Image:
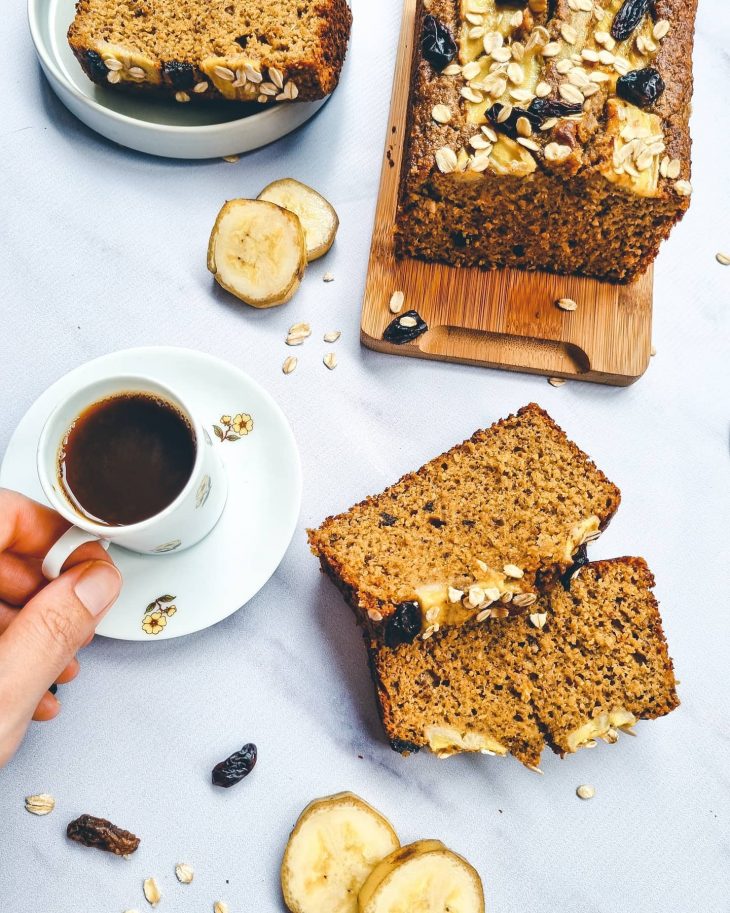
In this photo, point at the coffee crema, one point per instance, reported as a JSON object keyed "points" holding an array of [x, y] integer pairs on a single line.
{"points": [[126, 458]]}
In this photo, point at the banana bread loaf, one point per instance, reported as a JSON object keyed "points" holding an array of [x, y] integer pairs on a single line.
{"points": [[547, 134], [474, 534], [589, 661], [238, 50]]}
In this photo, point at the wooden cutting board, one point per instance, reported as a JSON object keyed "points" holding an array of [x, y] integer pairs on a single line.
{"points": [[504, 318]]}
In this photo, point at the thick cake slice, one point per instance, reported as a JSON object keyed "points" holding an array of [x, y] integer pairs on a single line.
{"points": [[605, 636], [547, 136], [476, 533], [238, 50], [589, 662]]}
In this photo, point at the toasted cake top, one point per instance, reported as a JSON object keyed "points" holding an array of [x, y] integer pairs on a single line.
{"points": [[569, 86]]}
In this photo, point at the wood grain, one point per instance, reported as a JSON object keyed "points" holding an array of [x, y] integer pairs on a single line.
{"points": [[502, 318]]}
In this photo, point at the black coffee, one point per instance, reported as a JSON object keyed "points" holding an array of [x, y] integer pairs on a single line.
{"points": [[126, 458]]}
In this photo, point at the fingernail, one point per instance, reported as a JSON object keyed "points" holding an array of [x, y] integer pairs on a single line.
{"points": [[98, 586]]}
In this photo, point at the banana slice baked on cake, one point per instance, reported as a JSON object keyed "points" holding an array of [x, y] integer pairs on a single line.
{"points": [[238, 50], [587, 663], [474, 535]]}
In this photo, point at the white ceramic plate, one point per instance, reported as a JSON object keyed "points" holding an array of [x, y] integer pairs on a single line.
{"points": [[213, 579], [169, 129]]}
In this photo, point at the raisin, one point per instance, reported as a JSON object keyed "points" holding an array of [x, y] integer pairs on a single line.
{"points": [[399, 332], [437, 43], [553, 107], [387, 519], [96, 65], [181, 75], [234, 769], [640, 87], [404, 747], [102, 834], [579, 560], [509, 126], [628, 17], [403, 625], [436, 522]]}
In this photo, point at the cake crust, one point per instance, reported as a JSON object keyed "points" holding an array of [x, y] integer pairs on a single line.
{"points": [[472, 196]]}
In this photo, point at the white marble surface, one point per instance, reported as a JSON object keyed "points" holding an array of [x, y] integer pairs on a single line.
{"points": [[103, 249]]}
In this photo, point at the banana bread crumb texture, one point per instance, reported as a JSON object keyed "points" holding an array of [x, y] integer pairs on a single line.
{"points": [[193, 50], [547, 135], [598, 664]]}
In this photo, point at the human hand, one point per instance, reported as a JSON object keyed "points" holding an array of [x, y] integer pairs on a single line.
{"points": [[42, 624]]}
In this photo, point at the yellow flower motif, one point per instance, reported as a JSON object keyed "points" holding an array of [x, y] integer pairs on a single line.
{"points": [[242, 423], [154, 623], [225, 420], [170, 610]]}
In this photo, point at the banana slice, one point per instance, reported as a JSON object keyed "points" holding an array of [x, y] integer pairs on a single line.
{"points": [[333, 848], [424, 877], [257, 252], [319, 219]]}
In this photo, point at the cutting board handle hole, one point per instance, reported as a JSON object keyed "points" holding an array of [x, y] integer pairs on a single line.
{"points": [[521, 352]]}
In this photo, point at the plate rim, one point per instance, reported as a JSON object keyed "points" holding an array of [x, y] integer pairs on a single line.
{"points": [[49, 64], [271, 403]]}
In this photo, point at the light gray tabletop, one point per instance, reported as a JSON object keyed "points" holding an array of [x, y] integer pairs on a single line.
{"points": [[102, 249]]}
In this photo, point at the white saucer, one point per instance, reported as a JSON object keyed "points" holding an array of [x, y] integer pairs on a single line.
{"points": [[169, 129], [213, 579]]}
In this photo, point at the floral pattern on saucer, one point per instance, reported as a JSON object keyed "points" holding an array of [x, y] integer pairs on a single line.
{"points": [[233, 427], [157, 614]]}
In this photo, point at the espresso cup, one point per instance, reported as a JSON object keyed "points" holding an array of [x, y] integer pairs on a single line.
{"points": [[187, 519]]}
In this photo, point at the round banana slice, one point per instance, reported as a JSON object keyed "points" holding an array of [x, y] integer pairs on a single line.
{"points": [[333, 848], [319, 219], [424, 877], [257, 252]]}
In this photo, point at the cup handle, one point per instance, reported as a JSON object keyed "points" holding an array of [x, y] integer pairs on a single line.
{"points": [[64, 547]]}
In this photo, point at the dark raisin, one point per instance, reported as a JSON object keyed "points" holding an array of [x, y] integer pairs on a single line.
{"points": [[234, 769], [96, 65], [181, 75], [403, 625], [509, 126], [102, 834], [628, 17], [580, 559], [387, 519], [436, 522], [553, 107], [429, 507], [437, 43], [404, 747], [640, 87], [54, 688], [399, 332]]}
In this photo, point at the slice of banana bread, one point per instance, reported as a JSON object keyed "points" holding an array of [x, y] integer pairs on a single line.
{"points": [[238, 50], [588, 662], [547, 136], [476, 533]]}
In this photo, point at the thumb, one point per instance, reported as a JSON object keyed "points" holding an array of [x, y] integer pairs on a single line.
{"points": [[50, 629]]}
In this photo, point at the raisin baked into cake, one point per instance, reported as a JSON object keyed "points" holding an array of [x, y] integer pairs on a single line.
{"points": [[588, 662], [477, 532], [547, 134], [238, 50]]}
